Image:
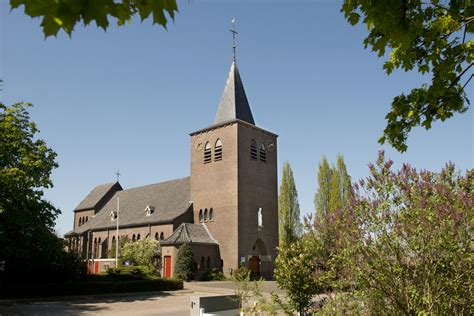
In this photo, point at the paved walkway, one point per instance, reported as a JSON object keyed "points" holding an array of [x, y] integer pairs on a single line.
{"points": [[168, 303], [226, 286], [175, 303]]}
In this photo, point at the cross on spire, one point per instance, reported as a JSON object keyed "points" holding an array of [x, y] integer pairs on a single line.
{"points": [[118, 175], [234, 32]]}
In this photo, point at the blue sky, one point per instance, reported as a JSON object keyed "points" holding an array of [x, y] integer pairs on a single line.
{"points": [[126, 99]]}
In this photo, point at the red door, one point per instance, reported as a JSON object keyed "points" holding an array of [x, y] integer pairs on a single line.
{"points": [[96, 268], [254, 266], [167, 267]]}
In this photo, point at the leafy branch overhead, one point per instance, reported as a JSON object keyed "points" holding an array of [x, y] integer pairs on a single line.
{"points": [[65, 14], [433, 37]]}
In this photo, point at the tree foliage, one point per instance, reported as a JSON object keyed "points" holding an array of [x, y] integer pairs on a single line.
{"points": [[407, 241], [28, 244], [288, 208], [334, 191], [122, 241], [185, 266], [250, 296], [433, 37], [143, 252], [65, 14], [298, 271]]}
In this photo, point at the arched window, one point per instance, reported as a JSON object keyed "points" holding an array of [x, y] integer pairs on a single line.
{"points": [[87, 218], [95, 248], [80, 221], [207, 153], [206, 218], [162, 236], [200, 215], [202, 266], [253, 149], [138, 237], [263, 153], [211, 215], [208, 263], [133, 237], [113, 241], [156, 236], [218, 150], [99, 248]]}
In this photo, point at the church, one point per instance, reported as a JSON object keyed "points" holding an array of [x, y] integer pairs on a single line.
{"points": [[227, 209]]}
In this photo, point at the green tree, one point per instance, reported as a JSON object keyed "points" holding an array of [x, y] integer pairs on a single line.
{"points": [[122, 241], [28, 244], [434, 37], [185, 266], [65, 14], [298, 271], [143, 252], [334, 191], [288, 208], [323, 194], [406, 241], [345, 185]]}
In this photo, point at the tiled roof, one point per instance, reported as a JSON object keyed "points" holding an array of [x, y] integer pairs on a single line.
{"points": [[190, 233], [96, 195], [234, 103], [169, 199]]}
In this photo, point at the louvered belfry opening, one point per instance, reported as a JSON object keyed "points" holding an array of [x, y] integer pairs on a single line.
{"points": [[218, 150], [207, 153], [253, 150], [263, 153]]}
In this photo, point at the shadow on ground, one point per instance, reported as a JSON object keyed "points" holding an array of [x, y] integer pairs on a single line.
{"points": [[74, 305]]}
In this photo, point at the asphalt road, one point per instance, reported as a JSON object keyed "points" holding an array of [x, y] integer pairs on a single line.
{"points": [[162, 303], [169, 303]]}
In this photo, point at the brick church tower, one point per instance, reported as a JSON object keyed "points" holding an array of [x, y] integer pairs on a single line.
{"points": [[234, 183]]}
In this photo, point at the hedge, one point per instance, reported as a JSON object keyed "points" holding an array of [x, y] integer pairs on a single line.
{"points": [[90, 288]]}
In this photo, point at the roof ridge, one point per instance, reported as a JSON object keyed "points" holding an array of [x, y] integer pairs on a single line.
{"points": [[149, 185], [209, 233], [186, 232]]}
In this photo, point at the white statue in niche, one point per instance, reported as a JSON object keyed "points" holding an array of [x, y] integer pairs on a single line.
{"points": [[260, 217]]}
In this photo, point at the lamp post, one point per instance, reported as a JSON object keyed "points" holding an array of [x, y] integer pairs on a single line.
{"points": [[117, 233]]}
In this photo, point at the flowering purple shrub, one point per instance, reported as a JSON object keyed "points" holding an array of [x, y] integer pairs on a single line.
{"points": [[405, 241]]}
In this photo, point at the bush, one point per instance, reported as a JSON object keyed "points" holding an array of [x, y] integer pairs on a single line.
{"points": [[299, 272], [214, 275], [185, 266], [53, 265], [131, 273], [144, 252], [406, 241]]}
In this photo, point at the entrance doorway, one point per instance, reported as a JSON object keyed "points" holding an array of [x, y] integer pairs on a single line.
{"points": [[254, 266], [167, 272], [259, 262]]}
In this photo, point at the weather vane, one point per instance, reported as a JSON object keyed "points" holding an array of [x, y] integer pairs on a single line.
{"points": [[118, 175], [234, 32]]}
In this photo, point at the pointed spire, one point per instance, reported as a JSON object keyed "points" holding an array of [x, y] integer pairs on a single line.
{"points": [[234, 103]]}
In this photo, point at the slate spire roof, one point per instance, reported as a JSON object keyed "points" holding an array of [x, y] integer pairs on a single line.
{"points": [[234, 103]]}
